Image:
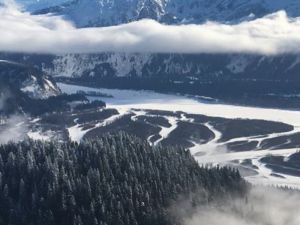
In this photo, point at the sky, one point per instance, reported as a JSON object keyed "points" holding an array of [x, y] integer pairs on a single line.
{"points": [[26, 33]]}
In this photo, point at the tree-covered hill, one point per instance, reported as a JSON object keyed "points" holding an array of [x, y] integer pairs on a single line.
{"points": [[114, 180]]}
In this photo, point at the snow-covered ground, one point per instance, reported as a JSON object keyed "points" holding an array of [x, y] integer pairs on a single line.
{"points": [[129, 99], [210, 147], [165, 131], [39, 135], [77, 132], [213, 152]]}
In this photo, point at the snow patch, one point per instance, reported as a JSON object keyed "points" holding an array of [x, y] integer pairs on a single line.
{"points": [[238, 64]]}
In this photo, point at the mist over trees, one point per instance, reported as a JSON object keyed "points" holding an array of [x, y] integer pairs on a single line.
{"points": [[116, 179]]}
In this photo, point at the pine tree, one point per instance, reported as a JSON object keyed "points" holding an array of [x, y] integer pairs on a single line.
{"points": [[116, 179]]}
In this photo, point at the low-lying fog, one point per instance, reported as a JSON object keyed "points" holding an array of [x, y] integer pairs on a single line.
{"points": [[12, 128], [264, 206]]}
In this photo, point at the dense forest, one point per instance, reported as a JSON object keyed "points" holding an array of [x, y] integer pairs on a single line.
{"points": [[37, 107], [114, 180]]}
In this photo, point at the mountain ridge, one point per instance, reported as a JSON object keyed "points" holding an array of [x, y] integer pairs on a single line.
{"points": [[95, 13]]}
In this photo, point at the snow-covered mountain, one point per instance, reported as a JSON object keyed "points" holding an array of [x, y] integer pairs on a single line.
{"points": [[173, 66], [33, 5], [112, 12]]}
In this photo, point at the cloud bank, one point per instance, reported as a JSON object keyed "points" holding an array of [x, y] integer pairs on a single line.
{"points": [[13, 129], [264, 206], [23, 32]]}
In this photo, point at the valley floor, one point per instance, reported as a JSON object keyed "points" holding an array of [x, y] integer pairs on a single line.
{"points": [[244, 137]]}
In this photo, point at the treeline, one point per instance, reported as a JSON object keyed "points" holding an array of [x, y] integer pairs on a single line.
{"points": [[52, 104], [60, 103], [255, 92], [37, 107], [91, 105], [114, 180]]}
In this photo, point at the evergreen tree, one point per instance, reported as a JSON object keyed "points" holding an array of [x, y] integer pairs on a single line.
{"points": [[114, 180]]}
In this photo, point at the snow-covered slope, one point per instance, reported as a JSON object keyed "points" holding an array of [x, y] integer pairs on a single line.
{"points": [[20, 85], [105, 65], [18, 77], [174, 65], [186, 66], [111, 12], [26, 90]]}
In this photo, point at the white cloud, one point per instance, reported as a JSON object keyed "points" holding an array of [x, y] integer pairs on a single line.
{"points": [[22, 32], [13, 128], [263, 206]]}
